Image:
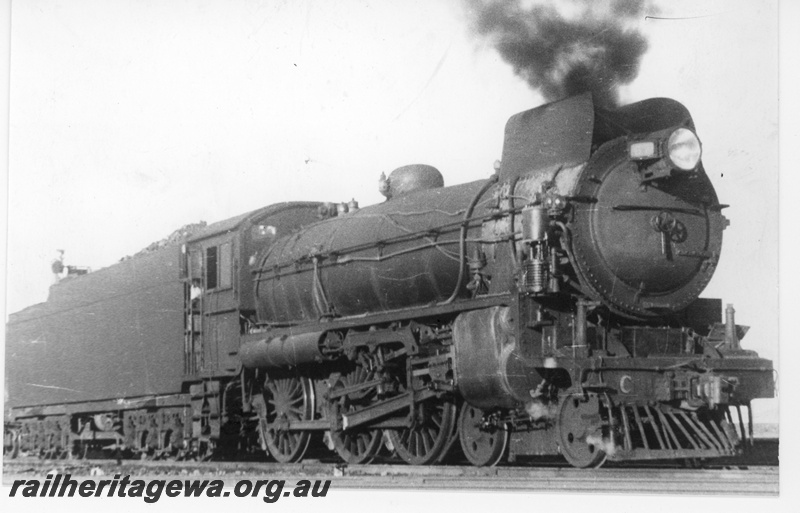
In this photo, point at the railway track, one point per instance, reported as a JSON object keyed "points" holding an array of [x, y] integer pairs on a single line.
{"points": [[751, 480]]}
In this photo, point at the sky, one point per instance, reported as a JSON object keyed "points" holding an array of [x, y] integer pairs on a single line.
{"points": [[131, 118]]}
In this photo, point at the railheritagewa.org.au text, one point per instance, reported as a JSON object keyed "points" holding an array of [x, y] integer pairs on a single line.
{"points": [[151, 490]]}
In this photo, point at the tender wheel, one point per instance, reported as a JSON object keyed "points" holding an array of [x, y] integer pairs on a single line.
{"points": [[10, 443], [483, 447], [580, 431], [287, 399], [429, 437], [354, 446]]}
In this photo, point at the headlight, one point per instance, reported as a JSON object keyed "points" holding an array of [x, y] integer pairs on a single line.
{"points": [[683, 149]]}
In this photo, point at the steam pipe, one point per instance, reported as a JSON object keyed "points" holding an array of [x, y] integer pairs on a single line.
{"points": [[463, 243]]}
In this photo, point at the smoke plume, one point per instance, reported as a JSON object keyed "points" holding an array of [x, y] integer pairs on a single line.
{"points": [[579, 46]]}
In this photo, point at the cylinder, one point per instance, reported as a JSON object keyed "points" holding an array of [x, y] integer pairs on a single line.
{"points": [[490, 372], [282, 351]]}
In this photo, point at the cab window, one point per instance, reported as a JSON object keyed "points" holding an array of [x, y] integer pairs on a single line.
{"points": [[219, 266]]}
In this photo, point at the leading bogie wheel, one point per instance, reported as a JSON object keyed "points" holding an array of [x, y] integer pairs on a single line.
{"points": [[580, 431], [484, 445]]}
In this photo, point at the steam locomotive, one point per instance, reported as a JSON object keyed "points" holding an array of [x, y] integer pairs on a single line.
{"points": [[552, 308]]}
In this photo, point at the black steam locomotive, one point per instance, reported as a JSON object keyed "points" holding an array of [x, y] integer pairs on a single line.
{"points": [[550, 309]]}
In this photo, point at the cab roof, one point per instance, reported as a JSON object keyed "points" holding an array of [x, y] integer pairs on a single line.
{"points": [[234, 223]]}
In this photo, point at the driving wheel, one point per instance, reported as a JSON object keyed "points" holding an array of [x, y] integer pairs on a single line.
{"points": [[288, 399], [430, 434], [356, 445]]}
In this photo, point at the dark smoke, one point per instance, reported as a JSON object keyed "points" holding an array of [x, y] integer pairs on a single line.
{"points": [[588, 46]]}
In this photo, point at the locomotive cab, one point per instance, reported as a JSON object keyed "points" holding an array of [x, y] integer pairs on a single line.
{"points": [[218, 282]]}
